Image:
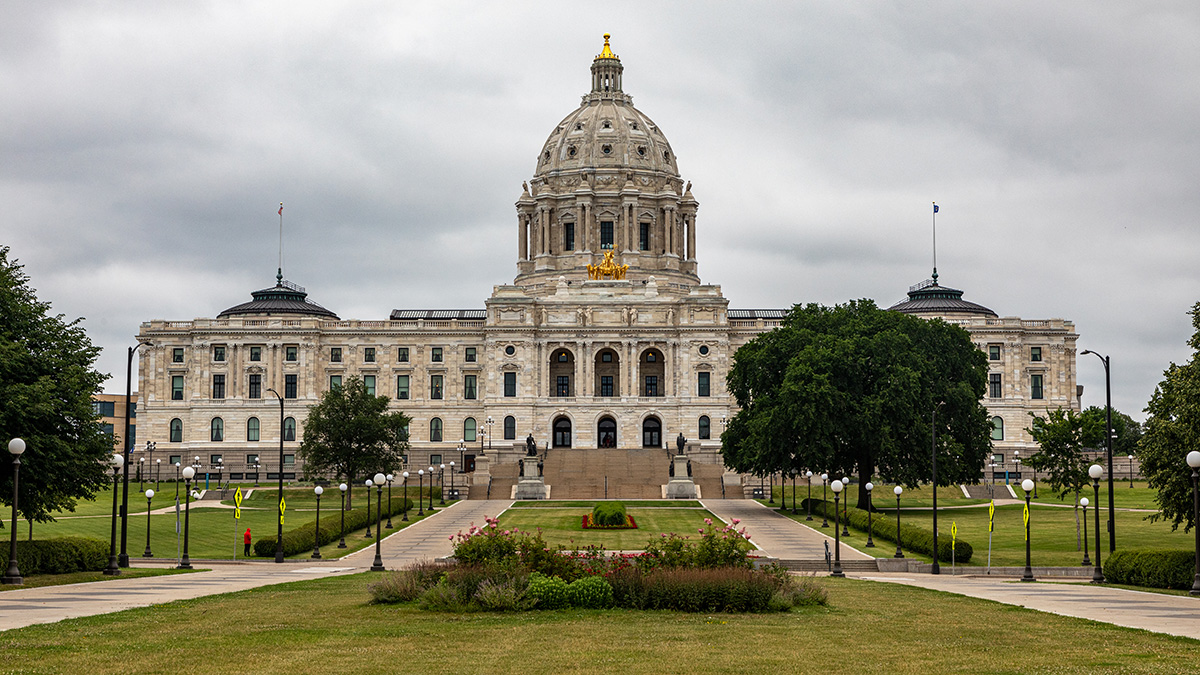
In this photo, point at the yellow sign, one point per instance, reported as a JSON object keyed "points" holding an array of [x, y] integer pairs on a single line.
{"points": [[282, 505], [237, 504], [991, 515], [1026, 522], [953, 533]]}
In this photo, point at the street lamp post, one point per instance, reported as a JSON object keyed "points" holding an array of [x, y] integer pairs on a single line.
{"points": [[1193, 460], [431, 489], [279, 533], [13, 576], [793, 494], [837, 541], [870, 505], [157, 471], [150, 446], [898, 491], [113, 568], [127, 447], [317, 524], [404, 518], [1027, 486], [342, 488], [808, 477], [846, 508], [1108, 434], [1131, 471], [1087, 561], [824, 506], [141, 474], [420, 496], [389, 478], [937, 568], [377, 565], [452, 495], [442, 485], [490, 422], [185, 563], [368, 482], [1095, 471], [149, 496]]}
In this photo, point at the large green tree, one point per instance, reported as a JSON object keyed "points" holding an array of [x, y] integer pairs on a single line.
{"points": [[350, 433], [853, 389], [47, 380], [1062, 435], [1127, 432], [1172, 431]]}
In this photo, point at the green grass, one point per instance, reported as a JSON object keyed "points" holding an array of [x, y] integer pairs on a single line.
{"points": [[1124, 497], [305, 498], [39, 580], [562, 526], [948, 495], [868, 627], [629, 504]]}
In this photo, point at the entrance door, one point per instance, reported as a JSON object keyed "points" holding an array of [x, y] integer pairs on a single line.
{"points": [[652, 433], [606, 433], [469, 463], [562, 433]]}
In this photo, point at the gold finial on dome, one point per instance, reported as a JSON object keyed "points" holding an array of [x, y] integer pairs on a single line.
{"points": [[607, 53]]}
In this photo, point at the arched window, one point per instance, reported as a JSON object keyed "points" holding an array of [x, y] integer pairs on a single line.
{"points": [[510, 428], [469, 429], [176, 430], [218, 429], [562, 432], [606, 433], [289, 429], [435, 429], [997, 428], [252, 429], [651, 433], [705, 428]]}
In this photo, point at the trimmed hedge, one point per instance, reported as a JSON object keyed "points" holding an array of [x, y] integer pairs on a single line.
{"points": [[58, 556], [883, 526], [611, 514], [300, 539], [1153, 568]]}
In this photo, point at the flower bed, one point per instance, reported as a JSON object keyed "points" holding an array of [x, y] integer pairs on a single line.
{"points": [[589, 524]]}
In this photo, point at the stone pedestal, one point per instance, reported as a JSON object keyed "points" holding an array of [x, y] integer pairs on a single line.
{"points": [[681, 485], [482, 470], [531, 484]]}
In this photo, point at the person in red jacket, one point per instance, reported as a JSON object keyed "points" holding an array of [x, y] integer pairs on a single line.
{"points": [[246, 541]]}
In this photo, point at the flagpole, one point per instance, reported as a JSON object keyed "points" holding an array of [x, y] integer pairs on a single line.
{"points": [[279, 274], [935, 210]]}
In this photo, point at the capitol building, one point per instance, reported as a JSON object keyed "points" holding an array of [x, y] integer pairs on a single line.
{"points": [[605, 347]]}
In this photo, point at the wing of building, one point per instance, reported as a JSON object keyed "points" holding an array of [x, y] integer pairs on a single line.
{"points": [[605, 347]]}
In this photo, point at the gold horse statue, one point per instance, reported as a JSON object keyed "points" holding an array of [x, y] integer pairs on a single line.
{"points": [[607, 269]]}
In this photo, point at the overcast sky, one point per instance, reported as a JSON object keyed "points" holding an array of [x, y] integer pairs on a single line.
{"points": [[145, 147]]}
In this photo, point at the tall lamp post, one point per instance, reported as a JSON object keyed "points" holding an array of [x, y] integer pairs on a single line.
{"points": [[113, 568], [389, 479], [1131, 471], [185, 563], [431, 488], [342, 543], [462, 450], [452, 495], [442, 484], [1027, 486], [870, 507], [899, 491], [1108, 433], [824, 506], [157, 471], [13, 576], [808, 479], [123, 560], [149, 496], [490, 422], [1193, 460], [377, 565], [368, 483], [279, 532], [1087, 560], [837, 540], [420, 487], [317, 524], [846, 508], [936, 569], [404, 518], [1095, 471]]}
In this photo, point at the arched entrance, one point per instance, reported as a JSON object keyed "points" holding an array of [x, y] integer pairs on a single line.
{"points": [[651, 433], [606, 433], [562, 432], [608, 373], [562, 373]]}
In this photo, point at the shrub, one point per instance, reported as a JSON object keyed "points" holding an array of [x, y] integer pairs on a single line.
{"points": [[916, 539], [486, 544], [443, 597], [407, 584], [709, 590], [590, 593], [1153, 568], [300, 539], [717, 547], [548, 592], [611, 514], [58, 556], [504, 596]]}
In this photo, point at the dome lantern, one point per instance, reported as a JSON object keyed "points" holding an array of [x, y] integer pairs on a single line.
{"points": [[606, 71]]}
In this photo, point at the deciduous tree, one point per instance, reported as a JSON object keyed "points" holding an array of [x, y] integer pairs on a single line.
{"points": [[1062, 435]]}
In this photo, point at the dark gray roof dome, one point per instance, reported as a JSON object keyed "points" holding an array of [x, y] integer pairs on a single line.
{"points": [[283, 298], [928, 297]]}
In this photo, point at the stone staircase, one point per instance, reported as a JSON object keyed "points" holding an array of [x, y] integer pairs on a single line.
{"points": [[504, 477]]}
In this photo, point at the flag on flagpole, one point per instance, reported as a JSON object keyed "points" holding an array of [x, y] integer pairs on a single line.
{"points": [[935, 208], [281, 209]]}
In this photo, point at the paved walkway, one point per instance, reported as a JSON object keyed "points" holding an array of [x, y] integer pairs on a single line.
{"points": [[777, 535]]}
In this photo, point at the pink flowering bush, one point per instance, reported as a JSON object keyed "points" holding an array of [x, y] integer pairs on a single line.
{"points": [[716, 547]]}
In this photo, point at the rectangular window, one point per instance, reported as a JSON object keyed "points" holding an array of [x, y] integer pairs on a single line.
{"points": [[177, 355], [469, 386], [289, 459], [568, 236], [218, 386], [644, 237], [402, 355], [369, 355], [510, 384], [606, 234], [289, 386], [174, 459], [256, 353], [291, 353], [606, 385], [563, 387], [214, 459], [606, 357], [401, 387], [435, 386], [107, 408], [369, 383], [107, 428], [132, 410], [1035, 386], [435, 460], [995, 390], [252, 459], [218, 352], [435, 354], [470, 355], [176, 387], [994, 352], [255, 386], [335, 381], [1035, 353], [702, 379], [651, 385], [335, 354]]}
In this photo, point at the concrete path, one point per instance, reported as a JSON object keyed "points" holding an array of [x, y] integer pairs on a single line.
{"points": [[429, 538], [776, 535], [1157, 612]]}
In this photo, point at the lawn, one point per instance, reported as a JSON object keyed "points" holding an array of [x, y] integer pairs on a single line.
{"points": [[563, 527], [948, 495], [327, 625]]}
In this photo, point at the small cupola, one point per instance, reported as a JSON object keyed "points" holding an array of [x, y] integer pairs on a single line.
{"points": [[606, 71]]}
